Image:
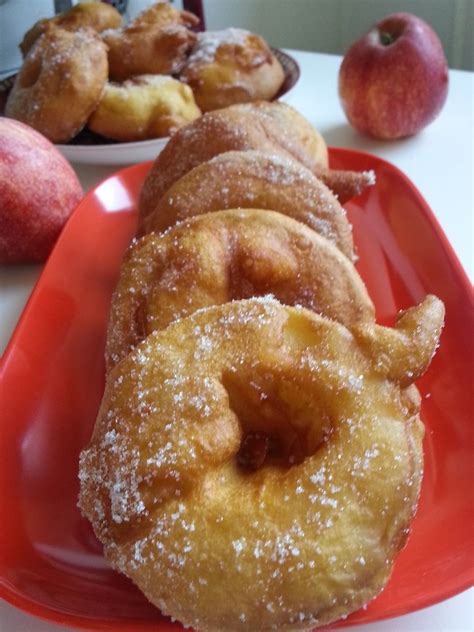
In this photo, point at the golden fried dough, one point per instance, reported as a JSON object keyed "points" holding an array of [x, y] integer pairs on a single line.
{"points": [[345, 184], [60, 83], [226, 255], [157, 41], [144, 107], [252, 179], [274, 128], [307, 536], [98, 16], [231, 66], [404, 353]]}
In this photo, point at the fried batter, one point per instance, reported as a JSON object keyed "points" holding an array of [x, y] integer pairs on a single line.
{"points": [[157, 42], [274, 128], [144, 107], [231, 66], [60, 83], [308, 536], [251, 179], [98, 16], [226, 255]]}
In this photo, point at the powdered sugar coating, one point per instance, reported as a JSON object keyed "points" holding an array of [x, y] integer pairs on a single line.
{"points": [[156, 41], [273, 128], [224, 255], [97, 16], [255, 179], [60, 83], [191, 524], [209, 42], [232, 66]]}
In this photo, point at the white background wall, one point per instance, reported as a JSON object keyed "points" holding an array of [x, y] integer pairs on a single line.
{"points": [[16, 17], [330, 26]]}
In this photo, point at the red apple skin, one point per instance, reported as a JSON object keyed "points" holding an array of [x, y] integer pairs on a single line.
{"points": [[392, 91], [38, 191]]}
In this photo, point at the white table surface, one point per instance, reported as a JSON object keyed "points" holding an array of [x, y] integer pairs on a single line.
{"points": [[439, 161]]}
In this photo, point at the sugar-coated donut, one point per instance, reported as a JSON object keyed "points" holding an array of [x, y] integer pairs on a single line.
{"points": [[60, 83], [95, 15], [227, 255], [144, 107], [274, 128], [231, 66], [157, 41], [253, 179], [305, 537]]}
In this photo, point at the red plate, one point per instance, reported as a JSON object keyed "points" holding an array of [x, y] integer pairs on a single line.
{"points": [[52, 381]]}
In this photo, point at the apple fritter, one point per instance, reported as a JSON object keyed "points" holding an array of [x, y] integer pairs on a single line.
{"points": [[309, 532]]}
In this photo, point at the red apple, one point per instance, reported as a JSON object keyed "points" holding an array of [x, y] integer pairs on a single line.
{"points": [[38, 192], [394, 80]]}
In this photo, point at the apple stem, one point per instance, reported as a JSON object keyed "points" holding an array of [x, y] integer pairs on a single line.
{"points": [[386, 38]]}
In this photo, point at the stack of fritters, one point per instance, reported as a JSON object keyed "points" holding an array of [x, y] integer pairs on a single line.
{"points": [[137, 81], [257, 457]]}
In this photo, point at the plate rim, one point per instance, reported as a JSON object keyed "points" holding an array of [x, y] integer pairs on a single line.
{"points": [[135, 144]]}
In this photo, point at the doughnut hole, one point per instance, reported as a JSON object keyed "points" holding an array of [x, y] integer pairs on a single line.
{"points": [[280, 426], [30, 72]]}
